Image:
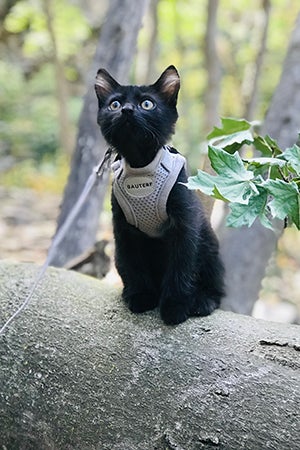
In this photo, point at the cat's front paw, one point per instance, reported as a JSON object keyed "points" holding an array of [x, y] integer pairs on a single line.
{"points": [[205, 306], [173, 313], [141, 302]]}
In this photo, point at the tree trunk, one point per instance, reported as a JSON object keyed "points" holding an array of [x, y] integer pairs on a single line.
{"points": [[115, 52], [213, 86], [79, 371], [213, 68], [61, 84], [246, 252], [254, 71], [150, 62]]}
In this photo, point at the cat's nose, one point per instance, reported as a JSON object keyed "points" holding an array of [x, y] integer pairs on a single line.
{"points": [[127, 108]]}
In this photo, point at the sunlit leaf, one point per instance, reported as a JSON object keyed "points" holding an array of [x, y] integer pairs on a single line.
{"points": [[202, 181], [257, 162], [233, 134], [285, 201], [245, 215], [228, 165], [292, 155], [267, 146], [229, 189], [229, 126]]}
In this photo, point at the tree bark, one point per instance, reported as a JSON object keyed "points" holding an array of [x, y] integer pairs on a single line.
{"points": [[213, 68], [246, 251], [79, 371], [152, 51], [114, 52], [213, 86], [252, 79], [61, 84]]}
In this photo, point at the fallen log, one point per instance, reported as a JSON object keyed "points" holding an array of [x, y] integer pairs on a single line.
{"points": [[79, 371]]}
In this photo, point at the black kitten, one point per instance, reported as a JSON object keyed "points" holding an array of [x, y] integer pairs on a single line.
{"points": [[166, 252]]}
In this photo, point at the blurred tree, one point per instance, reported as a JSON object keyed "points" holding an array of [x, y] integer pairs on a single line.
{"points": [[213, 85], [39, 37], [246, 251], [213, 68], [152, 53], [61, 84], [115, 52], [255, 67]]}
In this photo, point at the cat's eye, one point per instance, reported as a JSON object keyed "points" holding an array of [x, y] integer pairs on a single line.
{"points": [[147, 104], [115, 105]]}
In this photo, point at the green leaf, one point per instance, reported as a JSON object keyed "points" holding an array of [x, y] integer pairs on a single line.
{"points": [[245, 215], [218, 196], [235, 141], [286, 200], [267, 146], [228, 165], [241, 182], [236, 191], [206, 183], [219, 187], [263, 161], [229, 126], [292, 155], [232, 135], [202, 181], [233, 183]]}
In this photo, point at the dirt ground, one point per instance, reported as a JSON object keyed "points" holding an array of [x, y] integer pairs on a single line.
{"points": [[27, 224]]}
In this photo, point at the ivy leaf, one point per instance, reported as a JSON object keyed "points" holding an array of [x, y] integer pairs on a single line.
{"points": [[228, 165], [202, 181], [233, 183], [267, 146], [266, 162], [232, 135], [245, 215], [229, 126], [292, 155], [236, 192], [241, 182], [286, 200], [228, 190], [206, 183]]}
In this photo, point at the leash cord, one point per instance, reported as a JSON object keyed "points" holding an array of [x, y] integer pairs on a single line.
{"points": [[97, 173]]}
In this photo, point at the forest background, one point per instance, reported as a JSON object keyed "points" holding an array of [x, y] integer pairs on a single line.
{"points": [[229, 54]]}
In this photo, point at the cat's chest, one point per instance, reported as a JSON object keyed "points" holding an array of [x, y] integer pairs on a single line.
{"points": [[142, 193]]}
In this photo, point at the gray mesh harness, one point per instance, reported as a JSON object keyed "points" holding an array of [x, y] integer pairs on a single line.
{"points": [[142, 193]]}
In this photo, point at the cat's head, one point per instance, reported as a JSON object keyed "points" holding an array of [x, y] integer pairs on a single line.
{"points": [[137, 120]]}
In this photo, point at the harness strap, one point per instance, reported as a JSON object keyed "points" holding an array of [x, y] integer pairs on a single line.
{"points": [[142, 193]]}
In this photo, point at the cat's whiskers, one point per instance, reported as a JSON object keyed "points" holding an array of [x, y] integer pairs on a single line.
{"points": [[147, 129]]}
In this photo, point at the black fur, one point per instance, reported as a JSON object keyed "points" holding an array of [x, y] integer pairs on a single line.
{"points": [[180, 271]]}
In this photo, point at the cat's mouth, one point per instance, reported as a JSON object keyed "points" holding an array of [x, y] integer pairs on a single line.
{"points": [[127, 121]]}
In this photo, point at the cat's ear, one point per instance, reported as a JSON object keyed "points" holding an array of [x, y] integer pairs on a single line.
{"points": [[105, 84], [168, 84]]}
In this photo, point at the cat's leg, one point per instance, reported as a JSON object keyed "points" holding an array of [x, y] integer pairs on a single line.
{"points": [[139, 290], [193, 282], [132, 262], [210, 276], [178, 285]]}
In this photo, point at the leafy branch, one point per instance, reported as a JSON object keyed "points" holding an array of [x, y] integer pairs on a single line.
{"points": [[265, 187]]}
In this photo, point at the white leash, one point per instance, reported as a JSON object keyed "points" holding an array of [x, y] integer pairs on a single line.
{"points": [[97, 172]]}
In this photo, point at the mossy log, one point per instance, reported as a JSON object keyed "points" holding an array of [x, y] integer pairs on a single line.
{"points": [[79, 371]]}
